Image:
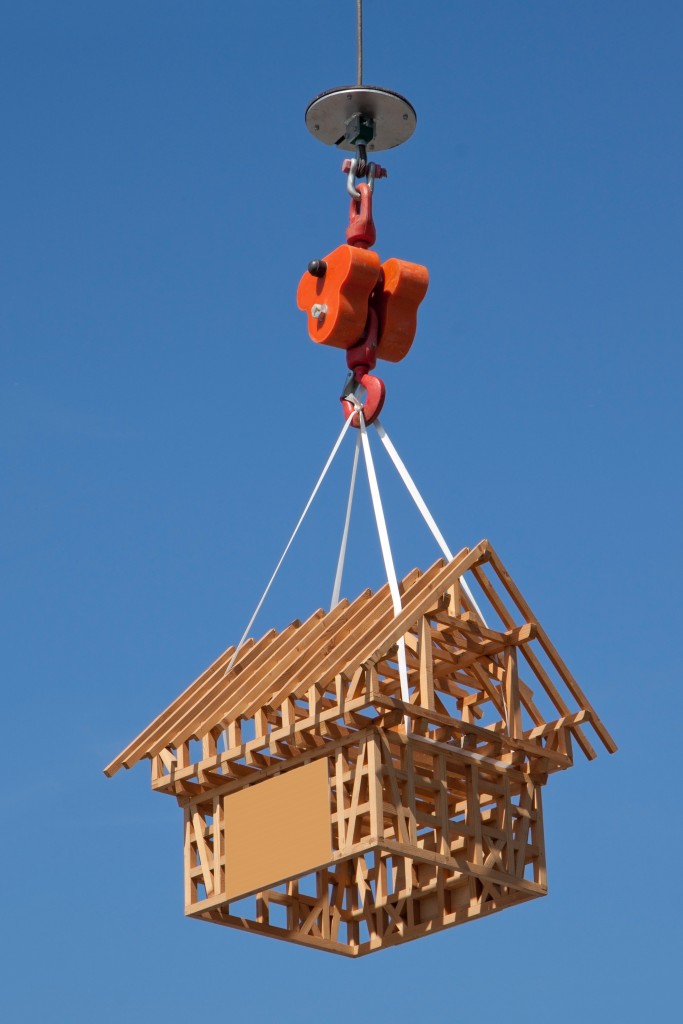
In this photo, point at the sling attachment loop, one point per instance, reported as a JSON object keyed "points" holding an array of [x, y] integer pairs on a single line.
{"points": [[375, 393]]}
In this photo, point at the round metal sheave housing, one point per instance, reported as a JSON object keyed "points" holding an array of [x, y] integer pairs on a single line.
{"points": [[393, 116]]}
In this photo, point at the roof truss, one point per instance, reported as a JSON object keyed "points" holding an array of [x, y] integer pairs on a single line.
{"points": [[496, 689]]}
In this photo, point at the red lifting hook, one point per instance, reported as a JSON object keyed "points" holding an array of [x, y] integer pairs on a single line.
{"points": [[374, 400]]}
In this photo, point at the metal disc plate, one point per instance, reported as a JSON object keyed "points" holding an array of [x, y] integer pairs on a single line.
{"points": [[394, 117]]}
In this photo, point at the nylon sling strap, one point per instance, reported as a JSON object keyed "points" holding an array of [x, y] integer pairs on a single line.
{"points": [[386, 555], [424, 511], [322, 476], [336, 590]]}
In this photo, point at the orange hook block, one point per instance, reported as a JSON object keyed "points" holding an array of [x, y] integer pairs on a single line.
{"points": [[335, 293], [404, 286]]}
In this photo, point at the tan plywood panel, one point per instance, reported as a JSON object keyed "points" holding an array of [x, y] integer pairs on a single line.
{"points": [[277, 828]]}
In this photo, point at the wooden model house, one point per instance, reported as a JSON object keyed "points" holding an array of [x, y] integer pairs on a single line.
{"points": [[323, 809]]}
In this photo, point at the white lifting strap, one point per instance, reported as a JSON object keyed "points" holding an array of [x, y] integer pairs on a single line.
{"points": [[386, 555], [336, 590], [426, 514], [282, 556], [289, 543]]}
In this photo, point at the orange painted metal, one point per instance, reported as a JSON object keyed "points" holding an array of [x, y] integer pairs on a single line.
{"points": [[403, 287], [344, 289]]}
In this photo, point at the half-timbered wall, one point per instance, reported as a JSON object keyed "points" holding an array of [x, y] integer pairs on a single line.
{"points": [[421, 839], [430, 809]]}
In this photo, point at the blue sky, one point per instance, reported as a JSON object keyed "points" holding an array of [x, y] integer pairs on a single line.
{"points": [[163, 417]]}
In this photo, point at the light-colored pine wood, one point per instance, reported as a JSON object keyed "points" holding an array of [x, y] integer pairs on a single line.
{"points": [[424, 814]]}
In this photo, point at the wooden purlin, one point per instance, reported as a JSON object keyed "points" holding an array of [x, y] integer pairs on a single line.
{"points": [[242, 675], [153, 738], [161, 718], [343, 635], [295, 675], [316, 730], [216, 696], [558, 663], [348, 645], [534, 662], [250, 687], [415, 606], [206, 695], [281, 668], [183, 722], [354, 648], [428, 812]]}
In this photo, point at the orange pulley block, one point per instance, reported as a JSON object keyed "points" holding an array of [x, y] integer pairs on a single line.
{"points": [[355, 302]]}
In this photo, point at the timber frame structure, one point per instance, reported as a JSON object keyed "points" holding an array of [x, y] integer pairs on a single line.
{"points": [[321, 808]]}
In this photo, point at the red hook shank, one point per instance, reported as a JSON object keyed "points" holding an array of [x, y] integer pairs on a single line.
{"points": [[361, 230], [360, 359]]}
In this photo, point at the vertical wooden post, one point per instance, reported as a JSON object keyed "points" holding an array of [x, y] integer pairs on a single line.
{"points": [[190, 884], [442, 819], [261, 724], [183, 754], [324, 896], [341, 800], [540, 873], [410, 795], [288, 714], [375, 788], [509, 851], [454, 599], [441, 807], [313, 700], [371, 680], [209, 747], [473, 822], [157, 769], [511, 692], [218, 846], [426, 664], [235, 734]]}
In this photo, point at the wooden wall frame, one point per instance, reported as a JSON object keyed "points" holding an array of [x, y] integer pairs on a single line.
{"points": [[424, 814]]}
